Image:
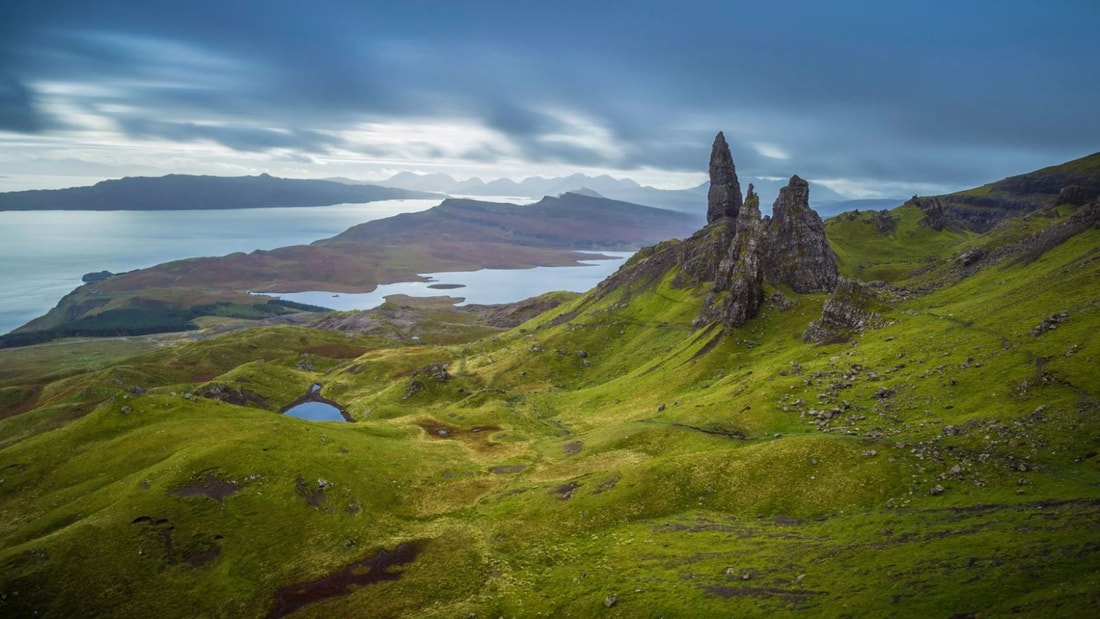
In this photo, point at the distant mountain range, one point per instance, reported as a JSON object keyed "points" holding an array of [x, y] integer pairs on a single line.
{"points": [[185, 192], [192, 192], [572, 220], [684, 200]]}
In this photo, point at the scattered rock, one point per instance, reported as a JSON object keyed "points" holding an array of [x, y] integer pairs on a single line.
{"points": [[970, 256], [610, 600], [434, 373], [1049, 324]]}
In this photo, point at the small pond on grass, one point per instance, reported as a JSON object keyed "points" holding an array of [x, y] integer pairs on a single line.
{"points": [[313, 407], [315, 411]]}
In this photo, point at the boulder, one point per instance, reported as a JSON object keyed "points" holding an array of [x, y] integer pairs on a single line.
{"points": [[847, 310]]}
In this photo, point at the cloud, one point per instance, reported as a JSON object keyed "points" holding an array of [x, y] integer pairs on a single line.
{"points": [[233, 136], [17, 111], [921, 94]]}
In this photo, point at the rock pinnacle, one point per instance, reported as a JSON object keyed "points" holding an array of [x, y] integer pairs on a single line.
{"points": [[724, 197]]}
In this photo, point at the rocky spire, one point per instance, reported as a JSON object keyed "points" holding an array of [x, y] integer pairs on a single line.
{"points": [[798, 254], [738, 288], [724, 197]]}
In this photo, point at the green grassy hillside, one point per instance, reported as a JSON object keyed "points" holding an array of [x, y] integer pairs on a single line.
{"points": [[605, 457]]}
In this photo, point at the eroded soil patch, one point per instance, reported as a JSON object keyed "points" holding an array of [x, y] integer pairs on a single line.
{"points": [[373, 569], [214, 488], [477, 436], [314, 496]]}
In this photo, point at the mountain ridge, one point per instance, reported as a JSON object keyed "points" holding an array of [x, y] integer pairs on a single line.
{"points": [[200, 192], [624, 189]]}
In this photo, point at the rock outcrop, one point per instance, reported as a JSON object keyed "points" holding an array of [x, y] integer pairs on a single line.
{"points": [[724, 197], [788, 249], [745, 266], [798, 253], [739, 253], [849, 309]]}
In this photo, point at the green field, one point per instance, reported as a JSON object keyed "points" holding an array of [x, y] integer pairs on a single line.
{"points": [[606, 457]]}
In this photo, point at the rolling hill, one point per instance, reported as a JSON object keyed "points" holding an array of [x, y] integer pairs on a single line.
{"points": [[916, 436]]}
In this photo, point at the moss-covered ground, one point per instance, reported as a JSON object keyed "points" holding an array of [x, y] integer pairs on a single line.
{"points": [[604, 458]]}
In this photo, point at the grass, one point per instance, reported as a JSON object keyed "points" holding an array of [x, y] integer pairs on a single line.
{"points": [[605, 447]]}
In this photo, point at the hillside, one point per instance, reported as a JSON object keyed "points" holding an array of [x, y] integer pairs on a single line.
{"points": [[906, 425], [457, 235], [184, 192], [1075, 182], [572, 220]]}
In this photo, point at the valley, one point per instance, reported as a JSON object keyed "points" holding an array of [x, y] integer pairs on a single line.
{"points": [[884, 413]]}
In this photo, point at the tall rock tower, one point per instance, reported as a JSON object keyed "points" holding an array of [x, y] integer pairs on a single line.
{"points": [[724, 197], [798, 253]]}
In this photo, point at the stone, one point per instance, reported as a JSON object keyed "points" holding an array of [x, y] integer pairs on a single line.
{"points": [[724, 197], [95, 278], [848, 309], [1075, 195], [738, 289], [798, 253], [610, 600]]}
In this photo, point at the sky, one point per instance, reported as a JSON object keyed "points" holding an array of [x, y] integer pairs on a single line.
{"points": [[871, 98]]}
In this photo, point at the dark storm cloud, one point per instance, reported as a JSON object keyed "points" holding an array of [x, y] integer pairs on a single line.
{"points": [[933, 92], [17, 113], [235, 137]]}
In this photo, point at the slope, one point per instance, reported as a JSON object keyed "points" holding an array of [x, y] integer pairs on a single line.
{"points": [[610, 455]]}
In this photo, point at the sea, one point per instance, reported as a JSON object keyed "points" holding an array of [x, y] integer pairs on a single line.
{"points": [[44, 254]]}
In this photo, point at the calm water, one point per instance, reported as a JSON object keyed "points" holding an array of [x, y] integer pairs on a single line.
{"points": [[315, 411], [478, 287], [44, 254]]}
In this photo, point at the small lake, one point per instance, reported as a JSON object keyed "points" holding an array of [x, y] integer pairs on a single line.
{"points": [[315, 411], [487, 286], [45, 253]]}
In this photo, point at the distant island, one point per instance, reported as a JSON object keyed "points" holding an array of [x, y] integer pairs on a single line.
{"points": [[181, 192], [825, 202]]}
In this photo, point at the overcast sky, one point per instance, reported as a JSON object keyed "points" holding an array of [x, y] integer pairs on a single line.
{"points": [[871, 98]]}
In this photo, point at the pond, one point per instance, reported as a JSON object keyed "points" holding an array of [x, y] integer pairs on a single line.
{"points": [[313, 407], [315, 411]]}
